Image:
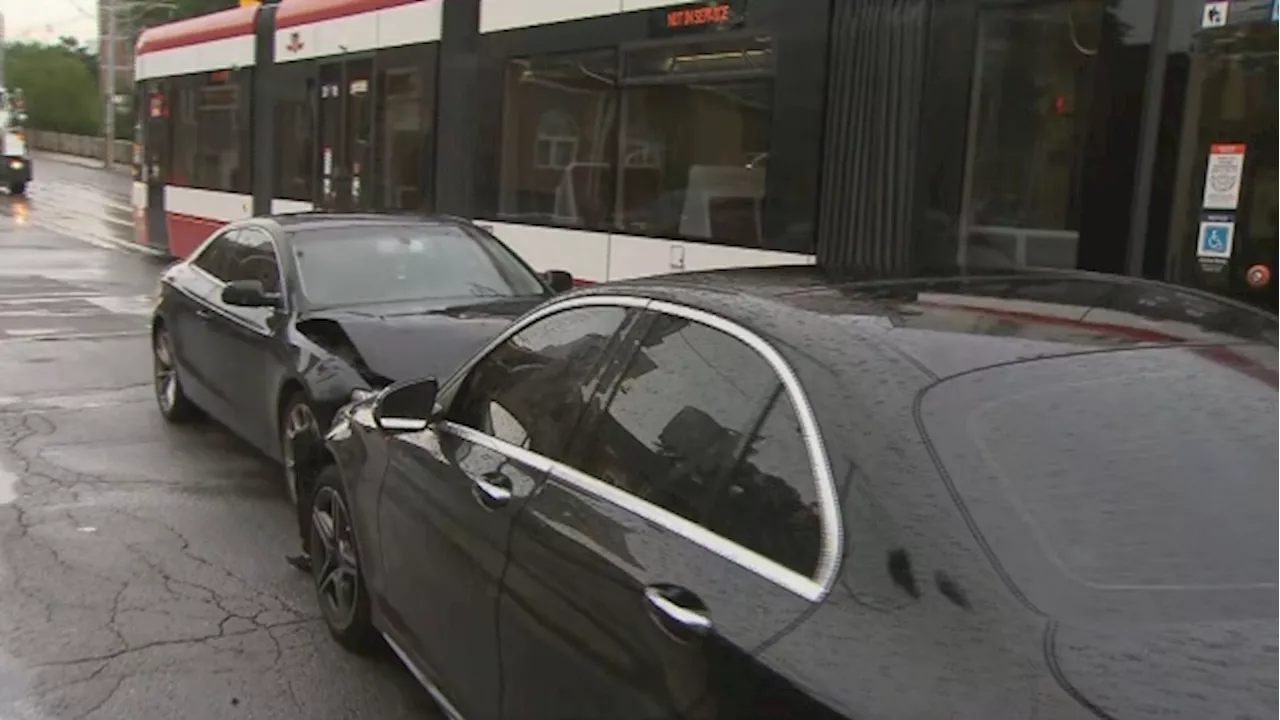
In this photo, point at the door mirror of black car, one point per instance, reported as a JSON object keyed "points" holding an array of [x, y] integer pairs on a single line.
{"points": [[249, 293], [406, 406], [558, 280]]}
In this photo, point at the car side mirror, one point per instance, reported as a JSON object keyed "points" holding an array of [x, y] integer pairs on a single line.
{"points": [[249, 293], [407, 406], [558, 280]]}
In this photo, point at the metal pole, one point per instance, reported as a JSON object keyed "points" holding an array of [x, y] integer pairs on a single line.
{"points": [[109, 86]]}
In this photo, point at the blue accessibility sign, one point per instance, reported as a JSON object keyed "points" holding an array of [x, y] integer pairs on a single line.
{"points": [[1216, 237]]}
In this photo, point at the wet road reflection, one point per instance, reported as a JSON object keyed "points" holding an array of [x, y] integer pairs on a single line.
{"points": [[86, 203]]}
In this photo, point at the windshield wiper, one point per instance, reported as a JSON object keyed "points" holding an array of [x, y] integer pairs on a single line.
{"points": [[483, 290]]}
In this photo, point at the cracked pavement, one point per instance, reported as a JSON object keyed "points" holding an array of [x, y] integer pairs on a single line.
{"points": [[141, 565]]}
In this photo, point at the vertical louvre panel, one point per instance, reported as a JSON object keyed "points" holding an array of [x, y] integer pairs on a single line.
{"points": [[868, 198]]}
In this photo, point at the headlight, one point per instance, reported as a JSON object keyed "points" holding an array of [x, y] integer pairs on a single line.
{"points": [[15, 164]]}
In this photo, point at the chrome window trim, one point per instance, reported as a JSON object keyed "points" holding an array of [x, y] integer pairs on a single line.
{"points": [[813, 588], [819, 466]]}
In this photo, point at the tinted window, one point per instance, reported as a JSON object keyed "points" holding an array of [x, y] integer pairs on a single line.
{"points": [[769, 503], [215, 258], [530, 390], [390, 263], [682, 431], [252, 256]]}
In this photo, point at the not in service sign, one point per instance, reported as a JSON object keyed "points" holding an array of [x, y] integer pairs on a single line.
{"points": [[1222, 177]]}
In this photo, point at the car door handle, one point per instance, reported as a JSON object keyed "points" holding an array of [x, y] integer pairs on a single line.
{"points": [[494, 489], [204, 314], [692, 620]]}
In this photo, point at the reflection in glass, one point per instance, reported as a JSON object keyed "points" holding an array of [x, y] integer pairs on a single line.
{"points": [[538, 380], [405, 134], [558, 143], [682, 432], [1033, 84], [696, 159]]}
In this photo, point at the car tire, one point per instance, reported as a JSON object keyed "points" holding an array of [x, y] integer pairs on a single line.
{"points": [[175, 406], [18, 188], [296, 416], [335, 566]]}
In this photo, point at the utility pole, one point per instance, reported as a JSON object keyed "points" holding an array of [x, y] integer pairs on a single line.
{"points": [[109, 84]]}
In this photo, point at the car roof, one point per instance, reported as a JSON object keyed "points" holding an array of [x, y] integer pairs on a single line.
{"points": [[946, 325], [324, 219]]}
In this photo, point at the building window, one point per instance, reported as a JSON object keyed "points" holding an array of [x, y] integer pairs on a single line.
{"points": [[558, 140], [557, 143]]}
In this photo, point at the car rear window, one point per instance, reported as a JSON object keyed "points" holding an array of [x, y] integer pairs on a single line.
{"points": [[1137, 483], [375, 263]]}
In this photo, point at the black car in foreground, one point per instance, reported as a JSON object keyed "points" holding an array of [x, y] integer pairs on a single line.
{"points": [[763, 493], [273, 322]]}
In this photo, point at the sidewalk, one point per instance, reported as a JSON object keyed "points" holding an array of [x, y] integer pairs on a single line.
{"points": [[77, 160]]}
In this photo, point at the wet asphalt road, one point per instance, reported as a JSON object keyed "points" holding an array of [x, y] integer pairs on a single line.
{"points": [[141, 570]]}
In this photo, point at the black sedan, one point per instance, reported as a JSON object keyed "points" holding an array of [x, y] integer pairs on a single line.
{"points": [[763, 493], [272, 324]]}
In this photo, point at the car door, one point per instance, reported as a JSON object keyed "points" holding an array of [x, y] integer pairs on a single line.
{"points": [[248, 339], [452, 491], [684, 533], [201, 357]]}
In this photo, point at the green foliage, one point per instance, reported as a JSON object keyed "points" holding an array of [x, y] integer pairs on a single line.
{"points": [[61, 79], [60, 83]]}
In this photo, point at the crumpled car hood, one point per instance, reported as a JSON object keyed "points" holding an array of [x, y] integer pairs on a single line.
{"points": [[403, 342]]}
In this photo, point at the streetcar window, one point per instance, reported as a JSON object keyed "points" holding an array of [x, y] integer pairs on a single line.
{"points": [[404, 113], [677, 146], [210, 131], [558, 140], [695, 161], [695, 132], [295, 138]]}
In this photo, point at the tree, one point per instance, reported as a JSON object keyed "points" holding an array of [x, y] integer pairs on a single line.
{"points": [[60, 83]]}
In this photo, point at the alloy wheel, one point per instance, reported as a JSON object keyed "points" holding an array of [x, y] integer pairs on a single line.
{"points": [[166, 377], [334, 561]]}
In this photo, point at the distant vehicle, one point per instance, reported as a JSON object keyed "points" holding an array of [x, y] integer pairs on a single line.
{"points": [[16, 171], [273, 322], [764, 494]]}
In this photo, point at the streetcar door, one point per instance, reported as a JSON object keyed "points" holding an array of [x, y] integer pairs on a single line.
{"points": [[346, 123], [1225, 217], [154, 169]]}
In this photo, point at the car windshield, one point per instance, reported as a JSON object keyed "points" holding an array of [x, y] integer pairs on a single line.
{"points": [[1120, 484], [375, 263]]}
